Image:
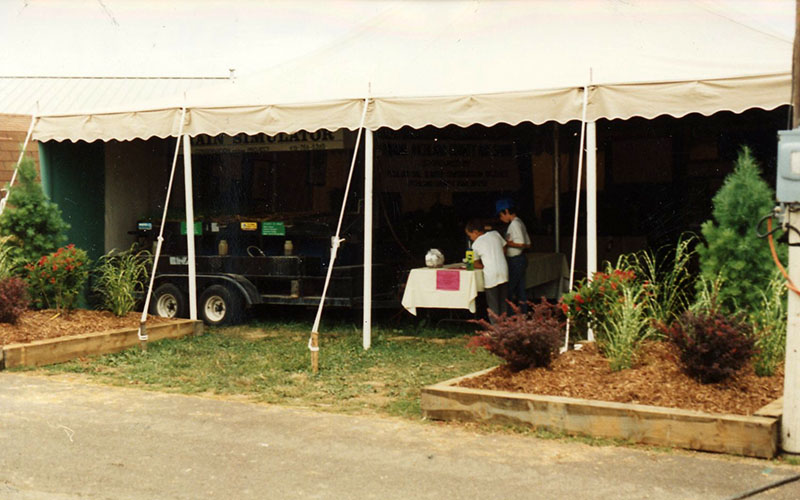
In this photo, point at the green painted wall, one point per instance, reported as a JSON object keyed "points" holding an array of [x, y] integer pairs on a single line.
{"points": [[73, 177]]}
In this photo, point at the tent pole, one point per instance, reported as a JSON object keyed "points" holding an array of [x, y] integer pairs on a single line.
{"points": [[591, 199], [142, 328], [187, 179], [368, 186], [556, 190]]}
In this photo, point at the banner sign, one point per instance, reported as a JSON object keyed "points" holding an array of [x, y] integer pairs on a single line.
{"points": [[452, 165], [320, 140]]}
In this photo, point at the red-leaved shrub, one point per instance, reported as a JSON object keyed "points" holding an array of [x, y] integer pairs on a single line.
{"points": [[712, 346], [523, 340], [13, 299]]}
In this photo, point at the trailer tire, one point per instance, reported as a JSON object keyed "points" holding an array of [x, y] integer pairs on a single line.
{"points": [[169, 302], [220, 306]]}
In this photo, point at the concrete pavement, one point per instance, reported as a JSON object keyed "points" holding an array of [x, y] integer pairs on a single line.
{"points": [[67, 440]]}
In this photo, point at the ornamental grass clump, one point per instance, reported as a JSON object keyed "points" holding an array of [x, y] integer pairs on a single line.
{"points": [[769, 326], [56, 280], [522, 340], [119, 279], [625, 326], [6, 264], [667, 279], [712, 345]]}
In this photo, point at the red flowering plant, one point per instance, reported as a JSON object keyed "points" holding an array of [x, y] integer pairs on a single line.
{"points": [[56, 280], [591, 301]]}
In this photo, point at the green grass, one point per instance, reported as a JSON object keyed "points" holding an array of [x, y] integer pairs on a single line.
{"points": [[270, 362]]}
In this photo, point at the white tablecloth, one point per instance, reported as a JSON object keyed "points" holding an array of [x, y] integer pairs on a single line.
{"points": [[426, 288], [422, 290]]}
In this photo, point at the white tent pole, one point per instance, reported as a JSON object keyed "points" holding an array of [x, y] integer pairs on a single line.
{"points": [[556, 189], [591, 202], [4, 200], [142, 331], [577, 206], [313, 341], [368, 185], [187, 179]]}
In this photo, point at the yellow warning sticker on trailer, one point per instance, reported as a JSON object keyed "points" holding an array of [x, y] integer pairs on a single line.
{"points": [[249, 226]]}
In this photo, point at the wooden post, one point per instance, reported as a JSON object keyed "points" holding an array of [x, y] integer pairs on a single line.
{"points": [[314, 352]]}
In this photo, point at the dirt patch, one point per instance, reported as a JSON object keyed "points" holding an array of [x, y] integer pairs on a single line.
{"points": [[46, 324], [655, 380]]}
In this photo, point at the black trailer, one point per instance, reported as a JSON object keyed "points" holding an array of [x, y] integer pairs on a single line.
{"points": [[254, 268]]}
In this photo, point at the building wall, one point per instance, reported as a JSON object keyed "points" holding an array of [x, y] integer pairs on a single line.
{"points": [[13, 129], [72, 177]]}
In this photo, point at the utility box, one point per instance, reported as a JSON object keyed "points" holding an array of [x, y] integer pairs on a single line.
{"points": [[787, 189]]}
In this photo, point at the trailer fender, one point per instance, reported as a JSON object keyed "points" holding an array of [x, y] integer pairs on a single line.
{"points": [[236, 282]]}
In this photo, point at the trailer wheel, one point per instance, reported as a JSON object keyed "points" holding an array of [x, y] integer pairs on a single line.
{"points": [[220, 306], [169, 302]]}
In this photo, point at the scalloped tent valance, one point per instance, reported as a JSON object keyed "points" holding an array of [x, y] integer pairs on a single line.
{"points": [[465, 63]]}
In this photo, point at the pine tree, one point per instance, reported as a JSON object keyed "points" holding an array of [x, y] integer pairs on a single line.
{"points": [[733, 250], [31, 219]]}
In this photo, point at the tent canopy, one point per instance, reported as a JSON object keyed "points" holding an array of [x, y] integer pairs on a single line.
{"points": [[465, 63]]}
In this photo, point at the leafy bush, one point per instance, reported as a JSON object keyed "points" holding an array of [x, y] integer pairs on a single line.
{"points": [[769, 325], [625, 325], [13, 299], [34, 221], [56, 280], [712, 345], [732, 249], [119, 279], [589, 304], [522, 340]]}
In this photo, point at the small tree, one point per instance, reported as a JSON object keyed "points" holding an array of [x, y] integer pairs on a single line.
{"points": [[31, 218], [732, 250]]}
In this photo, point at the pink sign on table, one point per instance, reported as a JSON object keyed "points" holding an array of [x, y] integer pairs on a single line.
{"points": [[448, 280]]}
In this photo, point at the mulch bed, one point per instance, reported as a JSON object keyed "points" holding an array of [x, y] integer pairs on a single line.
{"points": [[46, 324], [656, 380]]}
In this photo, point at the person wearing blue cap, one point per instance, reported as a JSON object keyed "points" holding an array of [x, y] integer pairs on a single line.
{"points": [[517, 241]]}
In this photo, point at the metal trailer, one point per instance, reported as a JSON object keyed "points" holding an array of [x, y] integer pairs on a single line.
{"points": [[255, 272]]}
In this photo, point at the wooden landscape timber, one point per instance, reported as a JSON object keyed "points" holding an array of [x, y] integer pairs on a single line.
{"points": [[60, 349], [754, 436]]}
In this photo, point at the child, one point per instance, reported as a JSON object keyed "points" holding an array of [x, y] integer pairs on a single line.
{"points": [[517, 241], [490, 257]]}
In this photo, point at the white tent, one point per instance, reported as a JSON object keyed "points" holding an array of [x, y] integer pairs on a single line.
{"points": [[505, 61], [440, 63]]}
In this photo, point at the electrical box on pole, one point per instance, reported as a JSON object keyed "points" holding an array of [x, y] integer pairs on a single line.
{"points": [[787, 191]]}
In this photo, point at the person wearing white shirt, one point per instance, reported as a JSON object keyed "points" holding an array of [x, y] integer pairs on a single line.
{"points": [[490, 256], [517, 241]]}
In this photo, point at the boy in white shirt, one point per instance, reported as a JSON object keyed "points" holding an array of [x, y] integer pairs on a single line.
{"points": [[490, 256], [517, 241]]}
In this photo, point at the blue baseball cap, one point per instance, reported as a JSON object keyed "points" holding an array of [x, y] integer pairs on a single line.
{"points": [[502, 204]]}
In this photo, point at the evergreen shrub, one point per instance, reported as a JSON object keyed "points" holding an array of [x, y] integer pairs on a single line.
{"points": [[32, 220], [732, 250]]}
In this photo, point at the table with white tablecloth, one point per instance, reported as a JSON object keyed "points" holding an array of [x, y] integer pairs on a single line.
{"points": [[453, 287]]}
